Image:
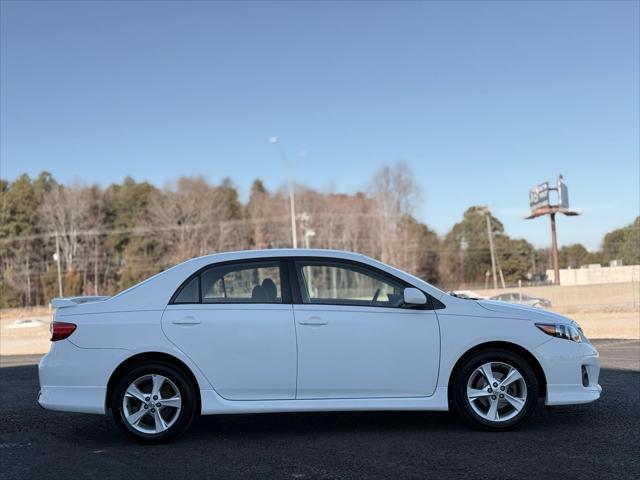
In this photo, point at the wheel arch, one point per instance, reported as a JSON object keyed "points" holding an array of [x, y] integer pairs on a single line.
{"points": [[151, 357], [509, 346]]}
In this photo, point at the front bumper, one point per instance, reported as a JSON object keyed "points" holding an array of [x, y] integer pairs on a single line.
{"points": [[565, 364]]}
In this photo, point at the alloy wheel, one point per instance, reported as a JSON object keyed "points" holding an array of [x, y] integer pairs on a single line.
{"points": [[152, 404], [496, 391]]}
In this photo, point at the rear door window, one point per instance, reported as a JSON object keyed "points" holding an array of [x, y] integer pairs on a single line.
{"points": [[242, 283], [238, 282]]}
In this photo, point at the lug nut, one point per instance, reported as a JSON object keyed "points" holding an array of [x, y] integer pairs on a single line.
{"points": [[495, 384], [501, 395], [489, 390], [155, 397], [147, 398], [146, 406], [493, 397], [158, 404], [501, 388], [153, 410]]}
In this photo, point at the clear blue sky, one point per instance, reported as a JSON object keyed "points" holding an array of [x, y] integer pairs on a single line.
{"points": [[483, 100]]}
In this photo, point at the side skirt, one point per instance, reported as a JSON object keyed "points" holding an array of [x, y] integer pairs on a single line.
{"points": [[213, 404]]}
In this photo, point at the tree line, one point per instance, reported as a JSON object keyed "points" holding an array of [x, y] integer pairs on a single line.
{"points": [[107, 239]]}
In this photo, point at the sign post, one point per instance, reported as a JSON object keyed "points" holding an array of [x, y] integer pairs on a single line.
{"points": [[540, 204]]}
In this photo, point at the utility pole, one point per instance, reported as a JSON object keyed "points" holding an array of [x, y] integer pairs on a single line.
{"points": [[292, 206], [57, 258], [28, 272], [307, 232], [492, 248], [463, 248], [292, 202], [554, 250], [501, 276], [95, 266]]}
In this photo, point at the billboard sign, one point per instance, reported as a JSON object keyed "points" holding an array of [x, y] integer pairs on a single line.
{"points": [[539, 196], [563, 195]]}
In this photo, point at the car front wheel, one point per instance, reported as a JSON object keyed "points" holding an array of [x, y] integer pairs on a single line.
{"points": [[153, 402], [495, 390]]}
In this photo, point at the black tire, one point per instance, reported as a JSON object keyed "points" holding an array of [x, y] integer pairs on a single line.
{"points": [[185, 415], [464, 376]]}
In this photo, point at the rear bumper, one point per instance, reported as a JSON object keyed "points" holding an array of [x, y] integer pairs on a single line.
{"points": [[73, 399], [74, 379]]}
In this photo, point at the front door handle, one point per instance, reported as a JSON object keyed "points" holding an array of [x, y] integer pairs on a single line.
{"points": [[188, 320], [313, 321]]}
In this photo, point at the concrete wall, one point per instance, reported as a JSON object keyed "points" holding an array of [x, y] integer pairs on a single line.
{"points": [[597, 275], [612, 295]]}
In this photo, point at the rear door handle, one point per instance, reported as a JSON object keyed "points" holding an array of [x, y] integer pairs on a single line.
{"points": [[313, 321], [188, 320]]}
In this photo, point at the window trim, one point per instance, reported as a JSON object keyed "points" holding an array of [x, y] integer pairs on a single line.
{"points": [[297, 294], [182, 286], [285, 288]]}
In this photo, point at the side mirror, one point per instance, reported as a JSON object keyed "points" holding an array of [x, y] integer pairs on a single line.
{"points": [[413, 296]]}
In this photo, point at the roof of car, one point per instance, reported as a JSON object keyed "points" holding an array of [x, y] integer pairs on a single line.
{"points": [[283, 252]]}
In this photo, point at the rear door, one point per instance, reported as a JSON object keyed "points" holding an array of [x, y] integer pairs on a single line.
{"points": [[355, 338], [235, 321]]}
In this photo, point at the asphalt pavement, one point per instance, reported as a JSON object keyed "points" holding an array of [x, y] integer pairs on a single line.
{"points": [[597, 440]]}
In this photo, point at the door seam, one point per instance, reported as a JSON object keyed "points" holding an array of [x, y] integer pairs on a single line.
{"points": [[295, 329]]}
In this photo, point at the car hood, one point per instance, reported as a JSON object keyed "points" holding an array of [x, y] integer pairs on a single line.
{"points": [[522, 311]]}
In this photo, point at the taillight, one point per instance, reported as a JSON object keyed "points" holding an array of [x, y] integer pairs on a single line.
{"points": [[61, 330]]}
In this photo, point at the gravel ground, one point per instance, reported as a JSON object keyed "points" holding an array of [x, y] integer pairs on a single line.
{"points": [[598, 440]]}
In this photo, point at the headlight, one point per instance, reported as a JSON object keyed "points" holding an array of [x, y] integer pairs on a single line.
{"points": [[568, 332]]}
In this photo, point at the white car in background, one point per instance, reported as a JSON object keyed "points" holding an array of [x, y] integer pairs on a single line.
{"points": [[469, 294], [522, 299], [305, 330]]}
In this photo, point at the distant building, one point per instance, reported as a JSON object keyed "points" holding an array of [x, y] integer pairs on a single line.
{"points": [[595, 273]]}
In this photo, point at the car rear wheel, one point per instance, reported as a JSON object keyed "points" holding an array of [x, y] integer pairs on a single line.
{"points": [[153, 402], [495, 390]]}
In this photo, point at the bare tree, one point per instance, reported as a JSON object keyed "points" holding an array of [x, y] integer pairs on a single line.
{"points": [[66, 213], [193, 218], [394, 195]]}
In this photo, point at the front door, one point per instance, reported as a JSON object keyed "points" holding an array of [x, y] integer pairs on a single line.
{"points": [[355, 337]]}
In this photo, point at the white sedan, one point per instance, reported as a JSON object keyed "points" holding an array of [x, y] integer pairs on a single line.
{"points": [[305, 330]]}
